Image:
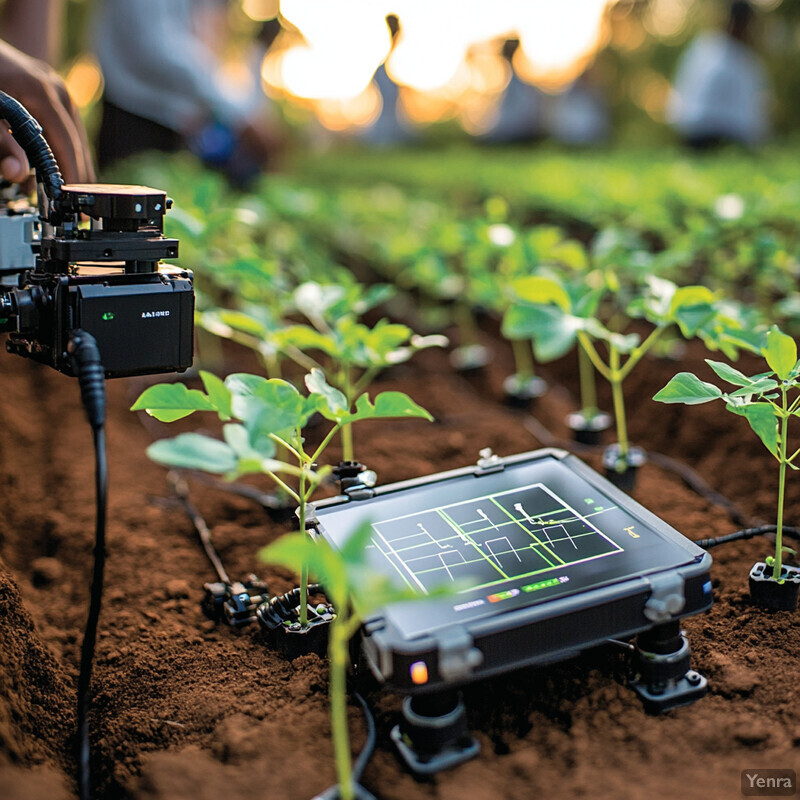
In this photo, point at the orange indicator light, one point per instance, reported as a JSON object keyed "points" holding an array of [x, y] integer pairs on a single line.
{"points": [[419, 672]]}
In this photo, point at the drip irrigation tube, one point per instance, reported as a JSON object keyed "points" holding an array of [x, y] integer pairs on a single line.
{"points": [[181, 489]]}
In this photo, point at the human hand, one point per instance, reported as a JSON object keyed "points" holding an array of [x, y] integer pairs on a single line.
{"points": [[36, 85]]}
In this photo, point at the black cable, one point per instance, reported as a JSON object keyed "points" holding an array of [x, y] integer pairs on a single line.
{"points": [[28, 134], [181, 489], [89, 371], [747, 533], [365, 755]]}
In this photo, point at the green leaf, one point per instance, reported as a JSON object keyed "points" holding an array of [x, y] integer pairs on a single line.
{"points": [[654, 305], [758, 388], [688, 389], [689, 297], [194, 451], [624, 343], [387, 404], [729, 373], [335, 401], [346, 573], [762, 420], [238, 439], [297, 550], [780, 352], [219, 394], [552, 331], [571, 253], [304, 337], [537, 290], [314, 299], [268, 406], [690, 319], [168, 402]]}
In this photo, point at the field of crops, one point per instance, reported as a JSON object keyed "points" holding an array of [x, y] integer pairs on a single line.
{"points": [[406, 310]]}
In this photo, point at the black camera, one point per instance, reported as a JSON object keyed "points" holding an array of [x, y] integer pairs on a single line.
{"points": [[105, 279], [104, 276]]}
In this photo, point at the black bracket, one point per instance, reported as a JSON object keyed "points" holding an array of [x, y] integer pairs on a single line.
{"points": [[234, 603], [355, 480], [662, 673], [432, 734]]}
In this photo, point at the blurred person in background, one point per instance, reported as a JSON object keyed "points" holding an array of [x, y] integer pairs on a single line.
{"points": [[520, 117], [389, 129], [31, 32], [720, 94], [165, 89], [579, 115]]}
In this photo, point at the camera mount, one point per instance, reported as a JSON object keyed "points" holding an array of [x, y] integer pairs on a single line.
{"points": [[104, 277]]}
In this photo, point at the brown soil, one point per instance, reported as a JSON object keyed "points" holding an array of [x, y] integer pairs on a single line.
{"points": [[185, 709]]}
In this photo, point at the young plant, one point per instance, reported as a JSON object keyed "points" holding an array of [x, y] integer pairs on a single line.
{"points": [[559, 314], [767, 401], [544, 308], [261, 415], [356, 590], [353, 353]]}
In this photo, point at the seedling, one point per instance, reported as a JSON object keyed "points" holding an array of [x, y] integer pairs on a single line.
{"points": [[537, 312], [767, 401], [558, 315], [352, 353], [272, 413], [356, 591]]}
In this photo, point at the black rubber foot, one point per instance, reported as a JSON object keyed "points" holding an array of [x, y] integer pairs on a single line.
{"points": [[691, 687], [766, 592], [662, 674], [433, 736]]}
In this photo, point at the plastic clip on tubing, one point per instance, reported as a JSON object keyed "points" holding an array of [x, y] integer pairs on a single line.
{"points": [[28, 133]]}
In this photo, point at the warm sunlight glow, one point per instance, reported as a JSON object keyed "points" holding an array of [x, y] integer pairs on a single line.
{"points": [[84, 81], [446, 58], [261, 10], [556, 40]]}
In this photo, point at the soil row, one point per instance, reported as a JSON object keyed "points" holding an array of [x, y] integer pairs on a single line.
{"points": [[184, 708]]}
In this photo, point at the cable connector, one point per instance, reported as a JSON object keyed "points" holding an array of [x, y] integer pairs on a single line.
{"points": [[91, 376], [236, 602]]}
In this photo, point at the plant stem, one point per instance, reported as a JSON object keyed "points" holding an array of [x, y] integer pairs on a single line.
{"points": [[337, 656], [465, 321], [639, 351], [283, 443], [304, 568], [523, 358], [778, 565], [588, 384], [594, 356], [365, 380], [347, 431], [285, 486], [347, 442], [272, 364], [318, 452], [619, 401]]}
